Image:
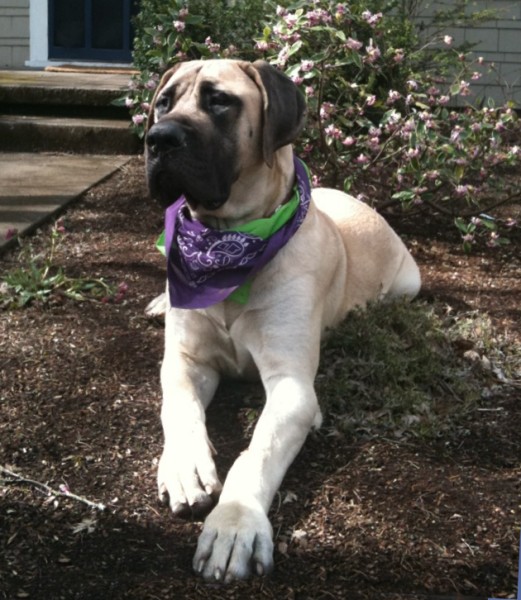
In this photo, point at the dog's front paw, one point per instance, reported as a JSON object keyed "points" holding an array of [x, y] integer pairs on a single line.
{"points": [[236, 541], [188, 482], [157, 307]]}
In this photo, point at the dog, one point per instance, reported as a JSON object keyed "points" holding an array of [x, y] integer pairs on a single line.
{"points": [[219, 136]]}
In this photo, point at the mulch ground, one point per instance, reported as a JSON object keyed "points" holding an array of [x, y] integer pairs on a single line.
{"points": [[355, 518]]}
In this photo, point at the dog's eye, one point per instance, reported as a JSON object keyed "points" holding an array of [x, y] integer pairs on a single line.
{"points": [[163, 104], [218, 102]]}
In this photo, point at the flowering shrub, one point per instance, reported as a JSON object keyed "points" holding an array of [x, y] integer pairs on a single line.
{"points": [[382, 116], [167, 31], [386, 132]]}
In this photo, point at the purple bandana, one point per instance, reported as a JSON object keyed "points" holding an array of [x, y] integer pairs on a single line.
{"points": [[206, 265]]}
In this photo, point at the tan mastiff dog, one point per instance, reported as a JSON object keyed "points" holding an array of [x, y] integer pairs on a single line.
{"points": [[220, 134]]}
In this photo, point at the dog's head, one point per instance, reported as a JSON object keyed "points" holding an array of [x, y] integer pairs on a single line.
{"points": [[211, 122]]}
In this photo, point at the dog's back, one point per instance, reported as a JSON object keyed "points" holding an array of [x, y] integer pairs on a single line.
{"points": [[378, 263]]}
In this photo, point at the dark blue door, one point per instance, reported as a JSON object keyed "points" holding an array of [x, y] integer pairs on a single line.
{"points": [[95, 30]]}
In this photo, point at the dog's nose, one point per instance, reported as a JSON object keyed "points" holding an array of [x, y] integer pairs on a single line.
{"points": [[165, 137]]}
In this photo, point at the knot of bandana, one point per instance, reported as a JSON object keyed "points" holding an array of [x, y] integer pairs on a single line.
{"points": [[206, 266]]}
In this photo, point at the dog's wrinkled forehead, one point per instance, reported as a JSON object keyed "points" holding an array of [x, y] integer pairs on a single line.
{"points": [[191, 81]]}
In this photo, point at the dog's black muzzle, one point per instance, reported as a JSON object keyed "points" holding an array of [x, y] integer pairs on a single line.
{"points": [[165, 138], [181, 159]]}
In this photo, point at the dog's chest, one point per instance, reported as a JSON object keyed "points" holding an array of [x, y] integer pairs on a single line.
{"points": [[214, 337]]}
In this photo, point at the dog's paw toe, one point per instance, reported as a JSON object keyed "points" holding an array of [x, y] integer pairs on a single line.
{"points": [[189, 493], [236, 542]]}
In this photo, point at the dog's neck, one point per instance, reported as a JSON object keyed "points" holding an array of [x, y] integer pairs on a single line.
{"points": [[254, 195]]}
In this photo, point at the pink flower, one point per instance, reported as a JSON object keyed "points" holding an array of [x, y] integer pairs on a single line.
{"points": [[306, 65], [179, 25], [290, 20], [448, 40], [464, 88], [349, 141], [393, 96], [317, 16], [370, 100], [493, 241], [398, 55], [11, 233], [353, 44], [297, 80], [283, 56], [262, 46], [213, 47], [121, 293], [370, 18], [362, 159], [139, 119], [326, 110], [373, 52], [333, 132]]}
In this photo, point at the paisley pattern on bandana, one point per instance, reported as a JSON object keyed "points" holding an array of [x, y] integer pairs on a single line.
{"points": [[206, 265]]}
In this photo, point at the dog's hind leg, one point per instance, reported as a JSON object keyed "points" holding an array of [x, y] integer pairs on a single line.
{"points": [[407, 281]]}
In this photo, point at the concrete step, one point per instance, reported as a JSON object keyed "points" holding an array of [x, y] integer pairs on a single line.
{"points": [[38, 186], [43, 111], [19, 133], [61, 89]]}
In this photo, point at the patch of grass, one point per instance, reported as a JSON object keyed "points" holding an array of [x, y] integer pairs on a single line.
{"points": [[412, 369], [38, 279]]}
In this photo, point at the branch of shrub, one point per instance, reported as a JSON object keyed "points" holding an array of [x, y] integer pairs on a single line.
{"points": [[15, 479]]}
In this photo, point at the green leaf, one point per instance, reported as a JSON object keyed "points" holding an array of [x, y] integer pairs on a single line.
{"points": [[404, 196], [459, 171], [295, 48]]}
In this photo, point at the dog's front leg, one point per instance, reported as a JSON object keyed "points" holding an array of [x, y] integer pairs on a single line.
{"points": [[237, 535], [187, 477]]}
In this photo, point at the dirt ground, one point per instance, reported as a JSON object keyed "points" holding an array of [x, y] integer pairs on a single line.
{"points": [[356, 517]]}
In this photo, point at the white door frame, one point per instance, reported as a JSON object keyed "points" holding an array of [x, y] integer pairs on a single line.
{"points": [[38, 33], [39, 38]]}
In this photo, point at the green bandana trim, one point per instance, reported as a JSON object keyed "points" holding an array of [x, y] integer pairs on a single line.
{"points": [[262, 228]]}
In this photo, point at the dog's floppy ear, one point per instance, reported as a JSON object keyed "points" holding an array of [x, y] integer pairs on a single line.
{"points": [[284, 107], [164, 80]]}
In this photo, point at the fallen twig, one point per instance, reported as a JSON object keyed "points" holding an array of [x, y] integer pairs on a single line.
{"points": [[14, 478]]}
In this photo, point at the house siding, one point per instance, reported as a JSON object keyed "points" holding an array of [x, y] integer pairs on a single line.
{"points": [[14, 33], [498, 41]]}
